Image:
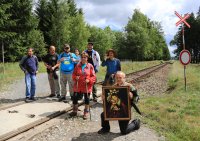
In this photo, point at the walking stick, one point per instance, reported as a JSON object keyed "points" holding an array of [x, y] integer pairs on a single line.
{"points": [[89, 100], [77, 92]]}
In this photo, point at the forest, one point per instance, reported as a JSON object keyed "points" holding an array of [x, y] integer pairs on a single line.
{"points": [[25, 24]]}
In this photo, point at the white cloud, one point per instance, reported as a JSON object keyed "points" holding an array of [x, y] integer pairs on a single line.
{"points": [[171, 50], [115, 13]]}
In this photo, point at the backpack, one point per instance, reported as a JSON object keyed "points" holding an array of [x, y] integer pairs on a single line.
{"points": [[70, 54]]}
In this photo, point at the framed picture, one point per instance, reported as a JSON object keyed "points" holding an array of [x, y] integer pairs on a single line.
{"points": [[116, 103]]}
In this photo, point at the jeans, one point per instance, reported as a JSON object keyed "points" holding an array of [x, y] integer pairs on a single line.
{"points": [[30, 80]]}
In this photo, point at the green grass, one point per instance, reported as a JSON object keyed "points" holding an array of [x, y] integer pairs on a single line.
{"points": [[176, 115], [12, 73]]}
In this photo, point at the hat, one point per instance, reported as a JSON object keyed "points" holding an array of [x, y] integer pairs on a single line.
{"points": [[66, 46], [111, 50], [90, 42]]}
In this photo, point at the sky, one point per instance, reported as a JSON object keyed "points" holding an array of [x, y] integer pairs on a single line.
{"points": [[115, 13]]}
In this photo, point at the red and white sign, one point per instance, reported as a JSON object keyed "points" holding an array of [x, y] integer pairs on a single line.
{"points": [[182, 19], [185, 57]]}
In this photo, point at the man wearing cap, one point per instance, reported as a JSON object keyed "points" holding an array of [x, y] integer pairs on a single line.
{"points": [[66, 61], [93, 59]]}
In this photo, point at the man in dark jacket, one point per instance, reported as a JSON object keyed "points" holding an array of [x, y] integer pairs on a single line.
{"points": [[29, 64]]}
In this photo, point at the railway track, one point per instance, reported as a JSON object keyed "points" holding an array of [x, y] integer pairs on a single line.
{"points": [[135, 76], [131, 77]]}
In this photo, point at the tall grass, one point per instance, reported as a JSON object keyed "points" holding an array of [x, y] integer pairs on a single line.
{"points": [[177, 114]]}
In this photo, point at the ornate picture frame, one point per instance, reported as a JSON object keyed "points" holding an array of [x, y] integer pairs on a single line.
{"points": [[116, 103]]}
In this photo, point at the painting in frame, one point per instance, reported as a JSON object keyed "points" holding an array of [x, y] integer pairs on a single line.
{"points": [[116, 103]]}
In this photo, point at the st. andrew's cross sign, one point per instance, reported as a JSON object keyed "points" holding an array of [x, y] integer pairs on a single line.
{"points": [[185, 54], [182, 19]]}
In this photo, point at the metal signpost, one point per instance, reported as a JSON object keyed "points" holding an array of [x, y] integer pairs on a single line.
{"points": [[185, 56]]}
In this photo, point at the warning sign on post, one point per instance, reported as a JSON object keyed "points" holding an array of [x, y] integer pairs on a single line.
{"points": [[185, 57]]}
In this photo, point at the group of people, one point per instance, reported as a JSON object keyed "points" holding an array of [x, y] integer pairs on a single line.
{"points": [[79, 72]]}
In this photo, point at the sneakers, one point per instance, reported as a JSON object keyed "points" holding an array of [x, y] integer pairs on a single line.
{"points": [[103, 131], [28, 99], [51, 95], [62, 98], [33, 98]]}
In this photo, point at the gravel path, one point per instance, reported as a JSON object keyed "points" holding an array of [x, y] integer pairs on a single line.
{"points": [[77, 129], [16, 91]]}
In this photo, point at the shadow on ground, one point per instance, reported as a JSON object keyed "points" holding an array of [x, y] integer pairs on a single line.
{"points": [[94, 136], [9, 101]]}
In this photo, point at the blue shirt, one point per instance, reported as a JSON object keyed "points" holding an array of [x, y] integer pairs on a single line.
{"points": [[112, 65], [67, 66]]}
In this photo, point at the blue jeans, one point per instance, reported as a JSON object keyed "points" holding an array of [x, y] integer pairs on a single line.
{"points": [[30, 80]]}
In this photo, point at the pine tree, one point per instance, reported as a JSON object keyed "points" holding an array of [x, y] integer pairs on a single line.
{"points": [[43, 14], [20, 22], [5, 21]]}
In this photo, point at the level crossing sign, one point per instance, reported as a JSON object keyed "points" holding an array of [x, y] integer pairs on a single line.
{"points": [[185, 57], [182, 19]]}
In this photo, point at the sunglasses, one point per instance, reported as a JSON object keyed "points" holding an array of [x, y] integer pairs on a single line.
{"points": [[66, 48]]}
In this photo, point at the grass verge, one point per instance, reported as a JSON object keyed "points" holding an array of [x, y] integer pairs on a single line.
{"points": [[176, 115]]}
